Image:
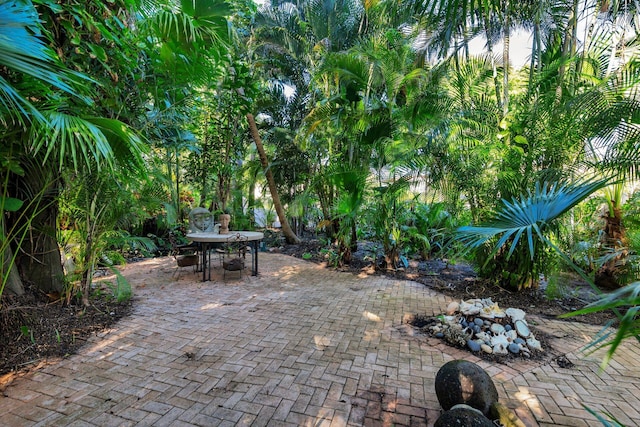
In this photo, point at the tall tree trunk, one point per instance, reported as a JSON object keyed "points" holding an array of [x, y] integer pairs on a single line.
{"points": [[178, 210], [41, 263], [568, 47], [494, 70], [38, 258], [505, 57], [610, 275], [289, 235]]}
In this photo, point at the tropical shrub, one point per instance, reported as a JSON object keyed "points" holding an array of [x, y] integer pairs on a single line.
{"points": [[517, 244]]}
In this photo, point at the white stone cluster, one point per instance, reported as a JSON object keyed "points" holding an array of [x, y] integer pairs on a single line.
{"points": [[483, 326]]}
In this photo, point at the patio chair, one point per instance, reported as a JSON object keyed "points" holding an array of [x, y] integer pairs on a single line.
{"points": [[234, 254], [185, 254]]}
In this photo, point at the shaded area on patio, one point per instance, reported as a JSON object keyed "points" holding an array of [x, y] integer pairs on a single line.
{"points": [[298, 345]]}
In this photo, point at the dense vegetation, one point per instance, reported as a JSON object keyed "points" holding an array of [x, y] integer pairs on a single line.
{"points": [[373, 120]]}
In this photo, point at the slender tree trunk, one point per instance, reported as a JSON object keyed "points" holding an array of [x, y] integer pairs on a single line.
{"points": [[568, 47], [505, 56], [494, 70], [85, 281], [286, 229], [178, 210]]}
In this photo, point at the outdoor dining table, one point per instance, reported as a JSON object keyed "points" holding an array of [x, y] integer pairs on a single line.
{"points": [[206, 238]]}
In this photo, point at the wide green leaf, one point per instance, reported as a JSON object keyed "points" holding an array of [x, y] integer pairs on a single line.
{"points": [[10, 204]]}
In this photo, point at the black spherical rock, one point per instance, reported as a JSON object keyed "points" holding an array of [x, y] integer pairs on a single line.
{"points": [[463, 382], [463, 417]]}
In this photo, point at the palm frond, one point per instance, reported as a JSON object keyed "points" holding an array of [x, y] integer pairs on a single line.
{"points": [[530, 215], [127, 147], [23, 51], [69, 139]]}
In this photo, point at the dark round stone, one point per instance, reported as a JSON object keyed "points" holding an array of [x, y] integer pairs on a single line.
{"points": [[478, 321], [460, 381], [473, 346], [459, 417], [514, 348]]}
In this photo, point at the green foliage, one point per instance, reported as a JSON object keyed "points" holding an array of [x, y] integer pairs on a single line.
{"points": [[121, 291], [387, 218], [97, 210], [516, 245], [24, 52], [333, 256], [431, 232], [606, 419], [627, 298]]}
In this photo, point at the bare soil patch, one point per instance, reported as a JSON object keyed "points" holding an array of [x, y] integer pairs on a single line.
{"points": [[34, 328]]}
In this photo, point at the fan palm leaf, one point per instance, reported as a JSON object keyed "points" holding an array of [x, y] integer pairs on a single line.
{"points": [[529, 217], [86, 141]]}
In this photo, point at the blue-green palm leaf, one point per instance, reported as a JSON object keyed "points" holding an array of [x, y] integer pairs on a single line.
{"points": [[528, 218], [22, 51]]}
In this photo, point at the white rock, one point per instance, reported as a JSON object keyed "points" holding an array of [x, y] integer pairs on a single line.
{"points": [[487, 302], [515, 313], [521, 328], [452, 308], [469, 309], [534, 344], [499, 344], [491, 312], [500, 349], [486, 348], [484, 336], [497, 328], [511, 335]]}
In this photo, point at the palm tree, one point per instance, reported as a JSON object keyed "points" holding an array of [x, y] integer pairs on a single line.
{"points": [[517, 238], [38, 77], [84, 130], [291, 42]]}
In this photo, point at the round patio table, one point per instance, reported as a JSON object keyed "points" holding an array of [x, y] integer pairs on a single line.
{"points": [[206, 238]]}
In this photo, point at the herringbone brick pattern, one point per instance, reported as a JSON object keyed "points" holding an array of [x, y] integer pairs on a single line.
{"points": [[299, 345]]}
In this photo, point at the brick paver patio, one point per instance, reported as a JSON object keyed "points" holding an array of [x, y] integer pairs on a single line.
{"points": [[299, 345]]}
